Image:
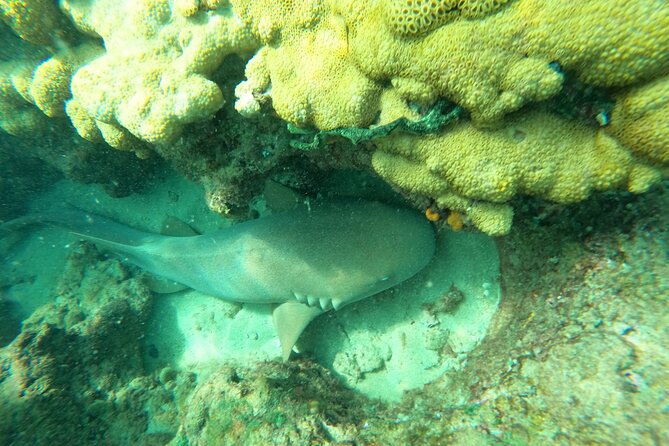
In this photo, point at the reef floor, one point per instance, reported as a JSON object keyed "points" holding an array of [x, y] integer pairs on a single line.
{"points": [[574, 351]]}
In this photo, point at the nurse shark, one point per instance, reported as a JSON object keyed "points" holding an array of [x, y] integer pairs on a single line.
{"points": [[303, 262]]}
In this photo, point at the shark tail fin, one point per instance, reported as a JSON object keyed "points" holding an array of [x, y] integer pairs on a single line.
{"points": [[89, 226]]}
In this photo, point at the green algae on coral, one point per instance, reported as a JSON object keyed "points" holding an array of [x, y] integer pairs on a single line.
{"points": [[439, 115]]}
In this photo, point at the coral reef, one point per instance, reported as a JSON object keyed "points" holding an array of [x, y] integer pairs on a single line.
{"points": [[37, 21], [331, 68], [490, 64], [152, 78], [414, 17], [477, 171], [82, 358], [581, 334], [29, 83], [72, 356], [298, 403], [640, 120], [465, 106], [18, 115]]}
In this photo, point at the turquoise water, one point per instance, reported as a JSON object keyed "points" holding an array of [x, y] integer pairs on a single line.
{"points": [[532, 137]]}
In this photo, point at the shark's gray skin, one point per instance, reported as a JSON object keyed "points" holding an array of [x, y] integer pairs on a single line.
{"points": [[304, 261]]}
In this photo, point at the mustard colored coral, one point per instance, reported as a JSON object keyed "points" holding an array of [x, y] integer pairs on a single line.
{"points": [[640, 120], [35, 21], [50, 86], [153, 78], [413, 17], [476, 172], [342, 64], [18, 116], [306, 64], [325, 63], [31, 87], [326, 91], [492, 59]]}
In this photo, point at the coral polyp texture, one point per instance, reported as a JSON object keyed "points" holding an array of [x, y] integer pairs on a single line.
{"points": [[36, 21], [153, 77], [413, 17], [491, 61], [640, 119], [324, 65], [477, 171]]}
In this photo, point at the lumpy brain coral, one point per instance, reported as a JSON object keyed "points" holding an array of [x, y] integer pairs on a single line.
{"points": [[154, 77], [477, 171], [491, 61], [493, 58], [332, 64]]}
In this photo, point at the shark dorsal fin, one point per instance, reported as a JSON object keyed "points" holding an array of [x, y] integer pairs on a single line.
{"points": [[290, 320]]}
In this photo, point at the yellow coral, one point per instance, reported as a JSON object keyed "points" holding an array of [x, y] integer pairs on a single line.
{"points": [[98, 131], [327, 70], [83, 123], [118, 137], [186, 8], [17, 115], [345, 63], [31, 87], [604, 43], [492, 59], [414, 17], [479, 8], [33, 20], [153, 78], [640, 120], [325, 63], [477, 171], [642, 177], [494, 65], [50, 84]]}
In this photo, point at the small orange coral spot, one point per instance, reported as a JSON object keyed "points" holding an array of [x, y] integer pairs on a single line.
{"points": [[432, 214], [455, 220]]}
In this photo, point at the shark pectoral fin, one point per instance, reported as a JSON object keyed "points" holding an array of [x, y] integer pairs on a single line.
{"points": [[177, 228], [290, 319], [161, 285]]}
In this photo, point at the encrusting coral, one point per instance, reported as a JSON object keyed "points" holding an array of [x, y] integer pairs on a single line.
{"points": [[18, 116], [153, 77], [477, 171], [328, 65], [36, 21], [334, 70], [491, 64], [640, 120], [30, 85], [414, 17]]}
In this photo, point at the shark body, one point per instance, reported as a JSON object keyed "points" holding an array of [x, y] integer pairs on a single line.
{"points": [[304, 262]]}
